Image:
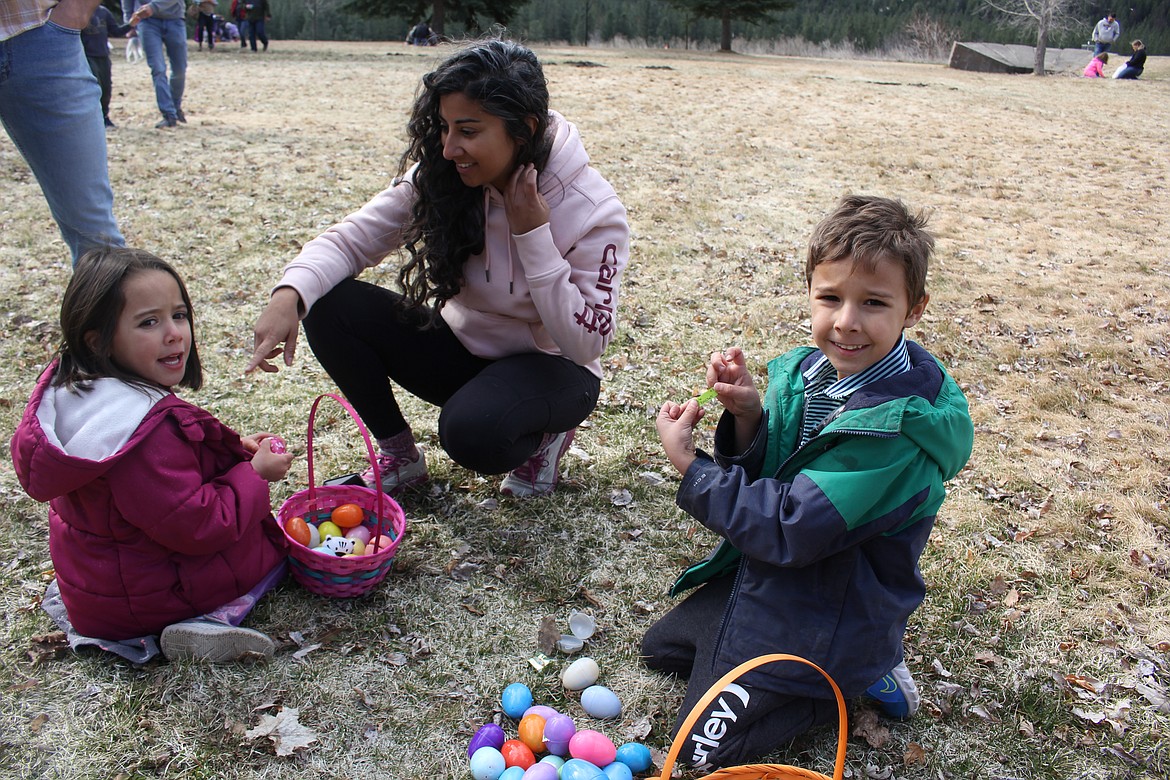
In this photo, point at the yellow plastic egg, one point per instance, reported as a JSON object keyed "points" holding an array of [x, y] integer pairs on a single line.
{"points": [[329, 528]]}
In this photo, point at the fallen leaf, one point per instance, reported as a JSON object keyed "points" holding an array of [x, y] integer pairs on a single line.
{"points": [[867, 726], [37, 723], [285, 731], [914, 754], [547, 635]]}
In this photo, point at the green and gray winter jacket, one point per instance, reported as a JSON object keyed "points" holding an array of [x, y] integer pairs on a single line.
{"points": [[824, 538]]}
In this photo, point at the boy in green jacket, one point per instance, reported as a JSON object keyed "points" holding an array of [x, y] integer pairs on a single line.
{"points": [[824, 492]]}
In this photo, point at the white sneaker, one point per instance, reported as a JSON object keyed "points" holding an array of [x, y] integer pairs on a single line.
{"points": [[215, 643], [397, 473], [538, 476]]}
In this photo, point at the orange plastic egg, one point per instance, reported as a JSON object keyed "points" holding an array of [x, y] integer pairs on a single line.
{"points": [[348, 515], [298, 530], [532, 732]]}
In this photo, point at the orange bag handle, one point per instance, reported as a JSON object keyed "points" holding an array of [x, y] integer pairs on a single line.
{"points": [[758, 770]]}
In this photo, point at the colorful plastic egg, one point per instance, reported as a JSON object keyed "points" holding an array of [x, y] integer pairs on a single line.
{"points": [[531, 732], [298, 530], [382, 542], [329, 528], [578, 769], [592, 746], [556, 761], [348, 515], [487, 735], [515, 699], [487, 763], [516, 753], [580, 674], [277, 445], [359, 532], [314, 536], [540, 771], [512, 773], [542, 710], [635, 755], [618, 771], [558, 730], [600, 702]]}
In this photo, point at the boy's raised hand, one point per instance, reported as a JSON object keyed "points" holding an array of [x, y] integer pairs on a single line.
{"points": [[727, 374], [676, 428]]}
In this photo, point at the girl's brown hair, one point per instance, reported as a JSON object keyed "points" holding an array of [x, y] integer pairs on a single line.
{"points": [[93, 301]]}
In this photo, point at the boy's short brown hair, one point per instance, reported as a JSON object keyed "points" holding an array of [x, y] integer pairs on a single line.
{"points": [[866, 229]]}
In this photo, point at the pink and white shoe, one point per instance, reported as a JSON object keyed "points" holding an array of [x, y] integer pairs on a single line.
{"points": [[398, 472], [538, 475]]}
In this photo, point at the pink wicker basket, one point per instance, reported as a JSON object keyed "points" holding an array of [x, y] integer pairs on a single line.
{"points": [[329, 575]]}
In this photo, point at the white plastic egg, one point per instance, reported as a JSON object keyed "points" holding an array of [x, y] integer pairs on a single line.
{"points": [[580, 674]]}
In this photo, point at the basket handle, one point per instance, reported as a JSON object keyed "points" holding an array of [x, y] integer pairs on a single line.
{"points": [[369, 452], [717, 688]]}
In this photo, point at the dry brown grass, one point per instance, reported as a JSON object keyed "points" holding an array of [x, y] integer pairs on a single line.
{"points": [[1050, 561]]}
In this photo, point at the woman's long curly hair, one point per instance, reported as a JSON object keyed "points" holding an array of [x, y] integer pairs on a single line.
{"points": [[447, 220]]}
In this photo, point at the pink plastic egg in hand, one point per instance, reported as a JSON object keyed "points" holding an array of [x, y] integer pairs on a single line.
{"points": [[277, 445], [592, 746]]}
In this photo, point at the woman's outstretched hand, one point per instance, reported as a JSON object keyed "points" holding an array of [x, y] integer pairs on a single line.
{"points": [[278, 324]]}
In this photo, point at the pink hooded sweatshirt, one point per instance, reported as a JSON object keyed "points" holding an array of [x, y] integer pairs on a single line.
{"points": [[155, 512], [552, 290]]}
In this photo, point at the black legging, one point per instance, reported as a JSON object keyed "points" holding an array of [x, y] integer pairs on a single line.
{"points": [[494, 412], [205, 29], [730, 732]]}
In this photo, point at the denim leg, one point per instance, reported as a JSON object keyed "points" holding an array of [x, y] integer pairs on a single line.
{"points": [[150, 32], [50, 105], [175, 39]]}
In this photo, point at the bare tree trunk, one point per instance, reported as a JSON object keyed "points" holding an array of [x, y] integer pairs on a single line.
{"points": [[1041, 49], [725, 37], [439, 11]]}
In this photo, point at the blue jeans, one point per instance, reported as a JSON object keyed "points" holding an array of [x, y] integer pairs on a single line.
{"points": [[171, 33], [1101, 46], [50, 105], [1129, 72], [256, 30]]}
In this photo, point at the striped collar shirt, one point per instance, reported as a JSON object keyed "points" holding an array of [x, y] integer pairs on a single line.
{"points": [[825, 393], [23, 15]]}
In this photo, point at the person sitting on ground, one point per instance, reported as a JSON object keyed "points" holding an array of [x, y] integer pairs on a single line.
{"points": [[1096, 67], [1136, 65], [160, 517], [514, 247], [825, 492]]}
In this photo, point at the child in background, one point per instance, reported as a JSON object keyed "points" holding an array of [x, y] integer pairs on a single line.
{"points": [[1096, 67], [824, 493], [160, 518], [96, 40]]}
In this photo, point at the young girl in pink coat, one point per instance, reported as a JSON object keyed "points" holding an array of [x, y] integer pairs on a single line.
{"points": [[159, 515], [1096, 67]]}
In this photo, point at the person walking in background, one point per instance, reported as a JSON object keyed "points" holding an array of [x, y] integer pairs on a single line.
{"points": [[239, 12], [257, 15], [161, 25], [50, 106], [1135, 65], [1096, 67], [1105, 33], [96, 40], [205, 23]]}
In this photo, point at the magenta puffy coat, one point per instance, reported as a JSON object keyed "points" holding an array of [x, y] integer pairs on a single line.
{"points": [[173, 524]]}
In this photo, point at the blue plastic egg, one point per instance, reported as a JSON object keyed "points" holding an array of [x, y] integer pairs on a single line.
{"points": [[513, 773], [577, 769], [515, 699], [556, 761], [601, 702], [488, 735], [487, 764], [618, 771], [634, 755]]}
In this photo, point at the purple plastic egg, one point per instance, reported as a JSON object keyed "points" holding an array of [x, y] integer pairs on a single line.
{"points": [[539, 771], [488, 735], [542, 710], [559, 728]]}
